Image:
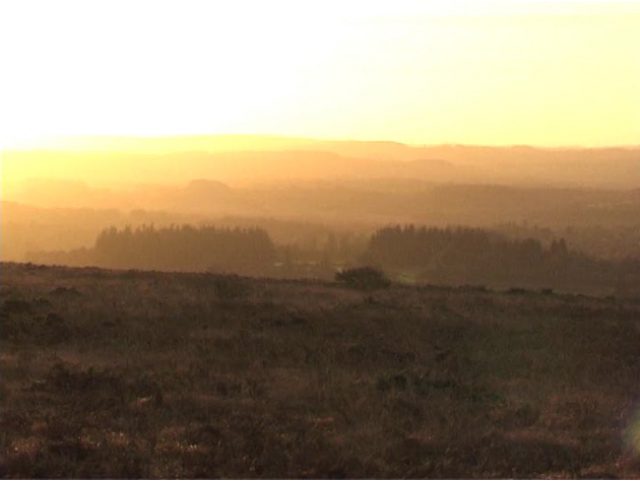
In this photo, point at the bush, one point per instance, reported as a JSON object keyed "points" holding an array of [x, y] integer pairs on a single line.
{"points": [[365, 278], [231, 287], [516, 291], [16, 306]]}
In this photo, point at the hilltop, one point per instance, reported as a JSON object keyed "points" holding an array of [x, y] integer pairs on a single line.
{"points": [[127, 374]]}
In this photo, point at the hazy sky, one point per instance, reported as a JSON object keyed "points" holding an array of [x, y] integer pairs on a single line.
{"points": [[561, 73]]}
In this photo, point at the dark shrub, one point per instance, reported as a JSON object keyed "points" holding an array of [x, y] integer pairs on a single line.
{"points": [[64, 292], [16, 306], [231, 287], [365, 278], [516, 291], [474, 288]]}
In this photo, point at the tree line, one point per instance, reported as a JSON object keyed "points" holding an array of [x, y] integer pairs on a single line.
{"points": [[244, 250], [247, 251], [476, 256], [446, 256]]}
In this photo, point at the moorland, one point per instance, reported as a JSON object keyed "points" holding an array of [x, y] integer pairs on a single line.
{"points": [[128, 374]]}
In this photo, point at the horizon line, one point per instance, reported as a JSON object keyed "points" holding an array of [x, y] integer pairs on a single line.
{"points": [[54, 142]]}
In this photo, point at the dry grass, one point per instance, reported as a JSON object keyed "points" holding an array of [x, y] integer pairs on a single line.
{"points": [[127, 375]]}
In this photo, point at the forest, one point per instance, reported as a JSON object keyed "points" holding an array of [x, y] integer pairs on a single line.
{"points": [[458, 256], [445, 256], [176, 248]]}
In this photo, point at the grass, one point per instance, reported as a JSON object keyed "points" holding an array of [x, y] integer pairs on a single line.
{"points": [[126, 374]]}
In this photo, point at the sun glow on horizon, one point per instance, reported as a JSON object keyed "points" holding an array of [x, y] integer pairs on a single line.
{"points": [[416, 72]]}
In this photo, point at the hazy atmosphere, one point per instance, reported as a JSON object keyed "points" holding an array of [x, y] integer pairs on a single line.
{"points": [[488, 72], [319, 240]]}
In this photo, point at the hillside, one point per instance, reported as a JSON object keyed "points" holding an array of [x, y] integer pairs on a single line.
{"points": [[124, 374]]}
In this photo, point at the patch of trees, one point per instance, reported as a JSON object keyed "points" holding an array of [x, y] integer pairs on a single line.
{"points": [[246, 250], [181, 248], [607, 242], [443, 256], [460, 256]]}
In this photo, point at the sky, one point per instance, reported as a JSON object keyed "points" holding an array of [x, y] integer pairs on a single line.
{"points": [[420, 72]]}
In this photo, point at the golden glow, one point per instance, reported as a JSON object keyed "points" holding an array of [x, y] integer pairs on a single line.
{"points": [[557, 73]]}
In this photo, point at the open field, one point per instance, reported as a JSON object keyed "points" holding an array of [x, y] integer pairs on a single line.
{"points": [[122, 374]]}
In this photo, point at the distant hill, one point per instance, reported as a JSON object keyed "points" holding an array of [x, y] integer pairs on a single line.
{"points": [[265, 158], [372, 201]]}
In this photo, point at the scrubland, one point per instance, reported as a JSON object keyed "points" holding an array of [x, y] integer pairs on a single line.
{"points": [[130, 374]]}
